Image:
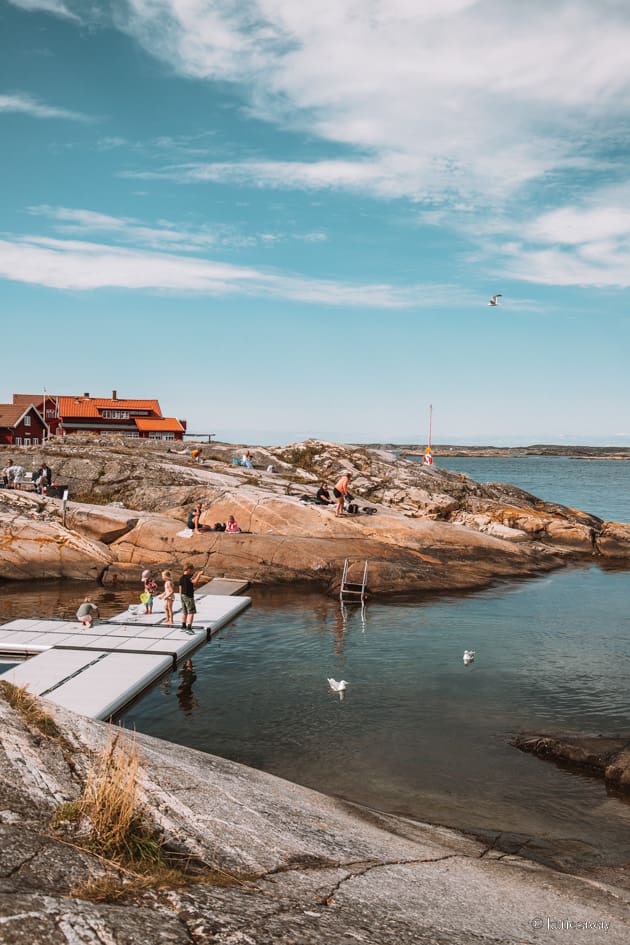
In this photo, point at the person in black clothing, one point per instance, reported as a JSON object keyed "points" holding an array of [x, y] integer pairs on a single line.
{"points": [[42, 477], [323, 495], [187, 583]]}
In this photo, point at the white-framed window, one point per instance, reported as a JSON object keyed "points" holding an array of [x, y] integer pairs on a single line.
{"points": [[18, 441], [35, 441], [27, 420], [51, 413], [116, 414]]}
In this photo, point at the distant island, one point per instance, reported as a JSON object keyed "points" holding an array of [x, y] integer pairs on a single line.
{"points": [[536, 449]]}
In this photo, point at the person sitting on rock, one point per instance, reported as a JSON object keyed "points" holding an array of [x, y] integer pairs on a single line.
{"points": [[247, 460], [15, 475], [42, 478], [87, 612], [232, 525], [323, 495], [5, 474], [194, 518]]}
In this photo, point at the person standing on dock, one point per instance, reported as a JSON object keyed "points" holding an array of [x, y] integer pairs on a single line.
{"points": [[150, 590], [168, 597], [187, 583]]}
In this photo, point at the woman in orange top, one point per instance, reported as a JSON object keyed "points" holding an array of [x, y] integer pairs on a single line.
{"points": [[340, 491]]}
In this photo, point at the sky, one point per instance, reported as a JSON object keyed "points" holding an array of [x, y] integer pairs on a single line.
{"points": [[285, 220]]}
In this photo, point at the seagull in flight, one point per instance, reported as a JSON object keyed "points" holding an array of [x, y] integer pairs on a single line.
{"points": [[494, 300]]}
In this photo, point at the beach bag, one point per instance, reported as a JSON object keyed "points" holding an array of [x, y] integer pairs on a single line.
{"points": [[145, 597]]}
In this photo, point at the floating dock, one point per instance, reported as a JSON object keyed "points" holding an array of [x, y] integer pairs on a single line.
{"points": [[97, 672]]}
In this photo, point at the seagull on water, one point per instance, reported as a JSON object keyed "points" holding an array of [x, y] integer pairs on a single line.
{"points": [[469, 656], [494, 300], [339, 687]]}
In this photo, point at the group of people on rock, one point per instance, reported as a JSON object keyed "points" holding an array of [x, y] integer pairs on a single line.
{"points": [[342, 501], [193, 521], [14, 476]]}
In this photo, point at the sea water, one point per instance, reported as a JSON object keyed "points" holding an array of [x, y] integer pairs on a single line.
{"points": [[418, 732]]}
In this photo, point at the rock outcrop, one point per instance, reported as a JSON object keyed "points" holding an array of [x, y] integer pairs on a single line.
{"points": [[290, 866], [433, 530], [606, 756]]}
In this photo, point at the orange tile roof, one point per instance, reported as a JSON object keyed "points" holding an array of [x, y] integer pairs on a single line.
{"points": [[163, 425], [92, 406]]}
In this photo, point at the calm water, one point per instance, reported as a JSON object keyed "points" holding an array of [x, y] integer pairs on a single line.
{"points": [[418, 732], [599, 486]]}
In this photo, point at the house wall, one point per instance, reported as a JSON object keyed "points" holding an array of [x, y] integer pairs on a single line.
{"points": [[24, 433]]}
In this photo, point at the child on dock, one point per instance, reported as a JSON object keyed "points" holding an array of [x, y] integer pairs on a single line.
{"points": [[87, 612], [168, 596], [187, 583], [150, 590]]}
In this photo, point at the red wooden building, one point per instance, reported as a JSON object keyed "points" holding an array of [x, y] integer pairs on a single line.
{"points": [[22, 425], [84, 414], [47, 406], [137, 418]]}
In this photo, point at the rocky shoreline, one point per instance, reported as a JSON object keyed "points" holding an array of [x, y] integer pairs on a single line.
{"points": [[268, 861], [606, 757], [433, 530]]}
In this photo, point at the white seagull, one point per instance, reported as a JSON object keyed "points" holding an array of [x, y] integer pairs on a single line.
{"points": [[339, 687], [494, 300], [469, 656]]}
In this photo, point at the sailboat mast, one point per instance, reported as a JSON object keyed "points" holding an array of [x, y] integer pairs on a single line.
{"points": [[430, 423]]}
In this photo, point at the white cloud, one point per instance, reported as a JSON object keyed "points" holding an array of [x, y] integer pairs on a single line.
{"points": [[466, 97], [56, 7], [27, 105], [80, 265], [166, 235], [585, 244]]}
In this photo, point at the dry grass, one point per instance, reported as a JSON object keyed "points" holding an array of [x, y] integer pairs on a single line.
{"points": [[30, 709], [107, 822], [110, 804]]}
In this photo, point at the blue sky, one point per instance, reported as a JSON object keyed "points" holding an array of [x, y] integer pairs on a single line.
{"points": [[287, 222]]}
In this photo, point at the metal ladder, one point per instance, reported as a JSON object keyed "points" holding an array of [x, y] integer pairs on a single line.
{"points": [[353, 591]]}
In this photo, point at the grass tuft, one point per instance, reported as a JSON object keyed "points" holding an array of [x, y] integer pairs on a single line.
{"points": [[107, 821], [30, 709], [110, 804]]}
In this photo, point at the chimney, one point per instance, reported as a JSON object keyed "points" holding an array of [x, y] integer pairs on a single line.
{"points": [[87, 394], [114, 395]]}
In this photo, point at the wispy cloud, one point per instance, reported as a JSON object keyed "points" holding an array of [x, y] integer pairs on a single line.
{"points": [[56, 7], [585, 244], [164, 235], [80, 265], [27, 105], [461, 97]]}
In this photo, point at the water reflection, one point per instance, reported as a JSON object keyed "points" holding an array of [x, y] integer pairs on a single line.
{"points": [[185, 695]]}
